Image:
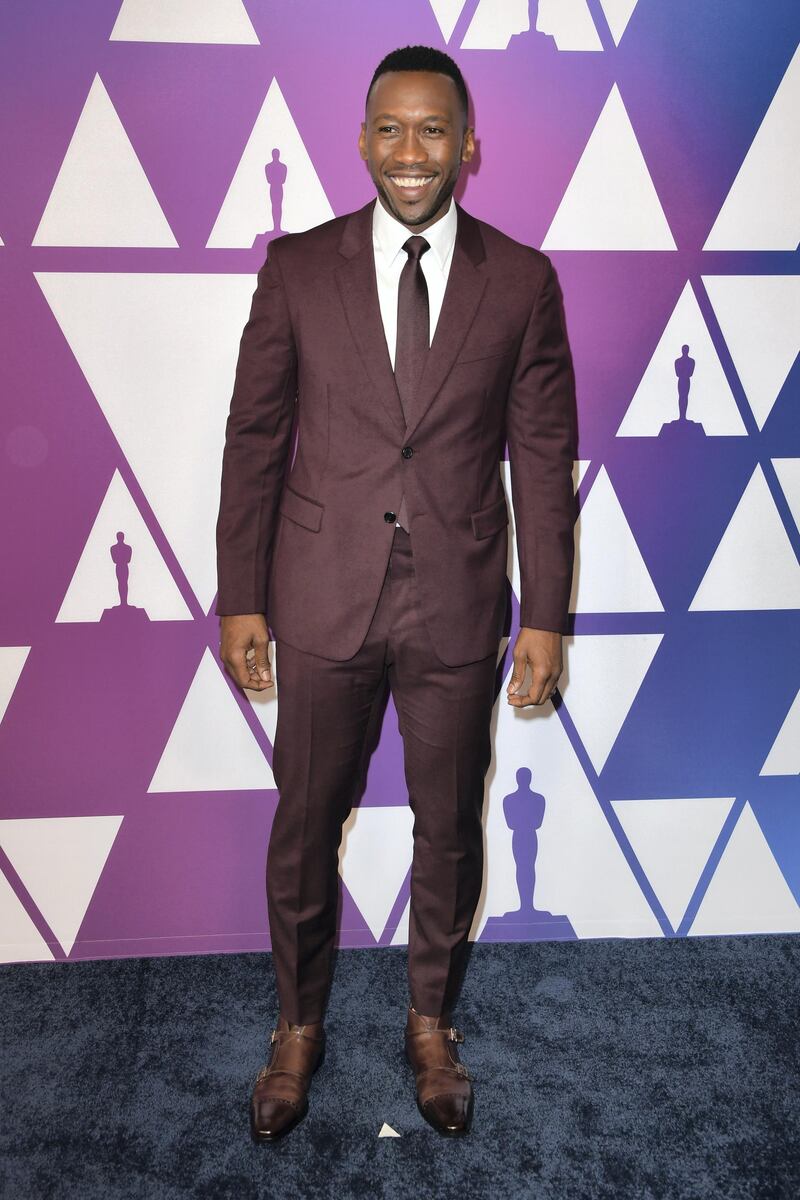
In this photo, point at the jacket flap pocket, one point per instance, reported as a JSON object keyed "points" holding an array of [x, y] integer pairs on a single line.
{"points": [[490, 519], [481, 349], [300, 509]]}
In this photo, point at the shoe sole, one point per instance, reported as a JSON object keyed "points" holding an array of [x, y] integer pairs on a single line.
{"points": [[260, 1135]]}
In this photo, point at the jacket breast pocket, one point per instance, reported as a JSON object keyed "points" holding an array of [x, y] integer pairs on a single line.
{"points": [[489, 519], [491, 349], [300, 509]]}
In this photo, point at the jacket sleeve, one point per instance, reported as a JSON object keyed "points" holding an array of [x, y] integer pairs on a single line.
{"points": [[257, 438], [541, 430]]}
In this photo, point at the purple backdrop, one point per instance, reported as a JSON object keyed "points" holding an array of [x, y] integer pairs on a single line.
{"points": [[623, 139]]}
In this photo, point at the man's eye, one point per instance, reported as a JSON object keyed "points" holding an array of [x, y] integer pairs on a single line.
{"points": [[386, 128], [434, 129]]}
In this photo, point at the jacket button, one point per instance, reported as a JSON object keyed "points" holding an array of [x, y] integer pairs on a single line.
{"points": [[389, 516], [407, 451]]}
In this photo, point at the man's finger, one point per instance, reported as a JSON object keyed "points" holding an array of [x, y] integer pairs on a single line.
{"points": [[536, 694], [262, 661], [547, 691], [540, 685], [239, 666], [518, 673], [242, 673]]}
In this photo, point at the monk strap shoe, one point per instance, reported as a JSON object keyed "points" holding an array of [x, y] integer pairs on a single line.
{"points": [[280, 1094], [444, 1085]]}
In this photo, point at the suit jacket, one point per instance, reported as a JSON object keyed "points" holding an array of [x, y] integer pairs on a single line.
{"points": [[309, 546]]}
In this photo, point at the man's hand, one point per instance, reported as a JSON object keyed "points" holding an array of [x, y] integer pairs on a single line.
{"points": [[542, 649], [243, 648]]}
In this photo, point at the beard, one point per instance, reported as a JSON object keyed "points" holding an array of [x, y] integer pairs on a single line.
{"points": [[422, 213]]}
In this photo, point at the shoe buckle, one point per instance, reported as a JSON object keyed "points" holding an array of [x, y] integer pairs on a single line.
{"points": [[455, 1035], [273, 1036]]}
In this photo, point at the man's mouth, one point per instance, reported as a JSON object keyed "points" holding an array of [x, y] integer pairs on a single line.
{"points": [[411, 185]]}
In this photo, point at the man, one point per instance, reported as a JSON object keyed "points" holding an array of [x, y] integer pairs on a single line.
{"points": [[414, 340]]}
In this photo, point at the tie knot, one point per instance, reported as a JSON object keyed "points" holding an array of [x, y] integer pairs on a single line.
{"points": [[416, 246]]}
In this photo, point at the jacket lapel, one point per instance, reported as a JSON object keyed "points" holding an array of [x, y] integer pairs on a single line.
{"points": [[359, 292], [465, 285], [358, 286]]}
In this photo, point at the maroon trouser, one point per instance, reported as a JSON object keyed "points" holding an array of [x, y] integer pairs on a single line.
{"points": [[324, 711]]}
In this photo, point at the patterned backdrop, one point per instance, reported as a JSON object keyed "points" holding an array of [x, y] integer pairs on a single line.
{"points": [[149, 151]]}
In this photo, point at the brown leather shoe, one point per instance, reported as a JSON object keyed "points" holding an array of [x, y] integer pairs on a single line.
{"points": [[444, 1090], [280, 1094]]}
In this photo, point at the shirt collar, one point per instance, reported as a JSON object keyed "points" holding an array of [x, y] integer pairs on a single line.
{"points": [[388, 234]]}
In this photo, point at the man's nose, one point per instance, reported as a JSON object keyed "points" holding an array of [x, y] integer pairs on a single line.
{"points": [[410, 149]]}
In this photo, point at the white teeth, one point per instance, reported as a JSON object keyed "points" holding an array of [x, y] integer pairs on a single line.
{"points": [[411, 183]]}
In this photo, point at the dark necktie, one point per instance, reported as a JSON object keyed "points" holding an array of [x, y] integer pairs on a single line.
{"points": [[413, 331]]}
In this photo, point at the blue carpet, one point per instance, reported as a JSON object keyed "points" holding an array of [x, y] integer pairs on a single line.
{"points": [[610, 1068]]}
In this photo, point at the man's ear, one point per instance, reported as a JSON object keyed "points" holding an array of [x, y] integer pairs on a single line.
{"points": [[362, 140], [468, 144]]}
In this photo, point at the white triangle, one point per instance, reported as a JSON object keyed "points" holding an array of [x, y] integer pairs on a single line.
{"points": [[610, 574], [102, 196], [60, 860], [579, 468], [710, 401], [387, 1131], [211, 747], [246, 210], [504, 640], [214, 21], [495, 22], [747, 893], [374, 859], [603, 677], [788, 472], [784, 755], [512, 559], [400, 935], [447, 13], [759, 316], [159, 353], [581, 871], [94, 589], [618, 14], [568, 23], [2, 243], [20, 940], [672, 840], [754, 566], [762, 208], [12, 660], [610, 202]]}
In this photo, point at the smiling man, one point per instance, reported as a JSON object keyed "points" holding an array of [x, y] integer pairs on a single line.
{"points": [[406, 112], [412, 341]]}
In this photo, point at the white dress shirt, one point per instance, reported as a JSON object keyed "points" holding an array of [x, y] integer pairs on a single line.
{"points": [[388, 235]]}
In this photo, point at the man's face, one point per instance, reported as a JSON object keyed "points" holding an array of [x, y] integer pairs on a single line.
{"points": [[414, 140]]}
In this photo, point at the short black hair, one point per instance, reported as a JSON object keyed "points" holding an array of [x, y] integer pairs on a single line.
{"points": [[424, 58]]}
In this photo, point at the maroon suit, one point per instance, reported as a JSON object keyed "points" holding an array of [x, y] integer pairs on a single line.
{"points": [[347, 600]]}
